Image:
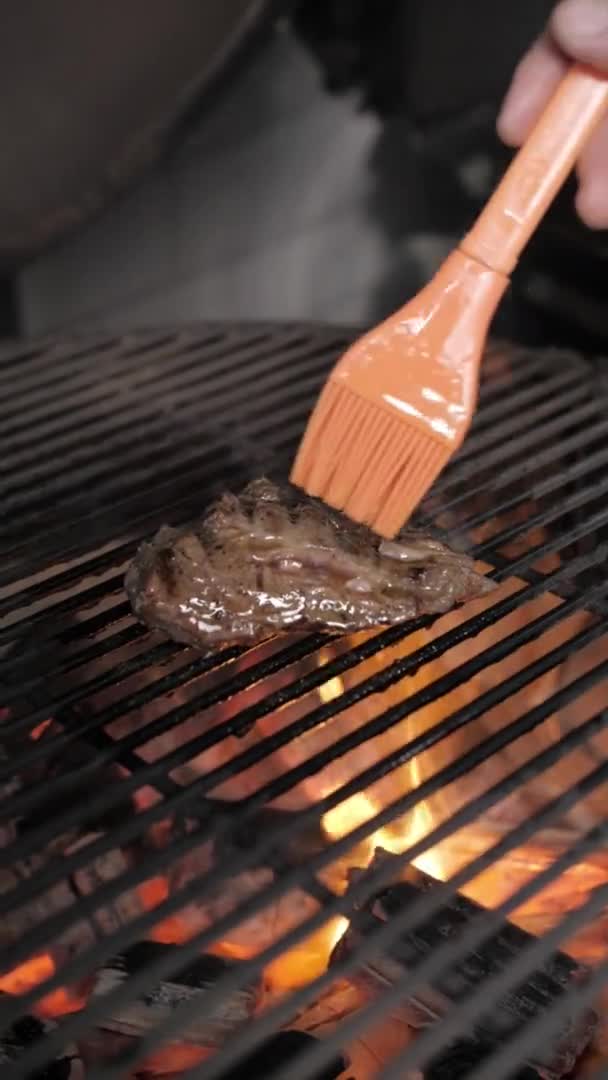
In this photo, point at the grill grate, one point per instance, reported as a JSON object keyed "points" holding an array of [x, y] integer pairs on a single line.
{"points": [[488, 725]]}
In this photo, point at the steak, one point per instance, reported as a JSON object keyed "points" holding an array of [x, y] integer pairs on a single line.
{"points": [[269, 561]]}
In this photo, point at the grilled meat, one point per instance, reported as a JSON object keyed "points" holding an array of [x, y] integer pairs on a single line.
{"points": [[267, 561]]}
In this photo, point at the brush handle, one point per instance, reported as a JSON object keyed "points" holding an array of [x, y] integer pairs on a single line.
{"points": [[538, 171]]}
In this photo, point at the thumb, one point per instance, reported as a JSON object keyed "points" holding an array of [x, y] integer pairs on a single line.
{"points": [[580, 29]]}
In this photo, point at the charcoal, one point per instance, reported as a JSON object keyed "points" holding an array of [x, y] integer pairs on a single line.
{"points": [[80, 933], [462, 1057], [77, 760], [101, 1047], [459, 1060], [22, 918], [91, 877], [255, 933], [22, 1035], [280, 1051], [151, 1009], [427, 1004]]}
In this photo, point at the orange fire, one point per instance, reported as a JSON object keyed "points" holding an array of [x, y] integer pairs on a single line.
{"points": [[40, 729], [506, 876], [171, 930], [29, 975], [310, 958]]}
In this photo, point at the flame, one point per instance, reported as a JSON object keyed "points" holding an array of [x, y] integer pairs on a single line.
{"points": [[395, 838], [331, 690], [362, 807], [419, 823], [308, 959], [311, 957]]}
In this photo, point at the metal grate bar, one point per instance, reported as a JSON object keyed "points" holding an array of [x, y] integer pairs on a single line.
{"points": [[521, 394], [114, 642], [281, 380], [559, 426], [519, 420], [75, 968], [410, 920], [537, 491], [321, 714], [538, 448], [584, 496], [551, 1024], [263, 670], [580, 440], [145, 733], [496, 985], [186, 360], [24, 366], [87, 596], [103, 425], [557, 381], [88, 627], [482, 927], [62, 581], [481, 752], [549, 515], [66, 385], [179, 503], [256, 353], [32, 390]]}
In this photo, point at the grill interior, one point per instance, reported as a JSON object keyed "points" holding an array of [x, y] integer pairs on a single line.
{"points": [[174, 824]]}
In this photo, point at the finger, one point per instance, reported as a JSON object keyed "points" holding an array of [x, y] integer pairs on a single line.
{"points": [[535, 79], [592, 195], [580, 29]]}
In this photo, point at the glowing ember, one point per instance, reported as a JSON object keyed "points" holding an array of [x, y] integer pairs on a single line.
{"points": [[173, 1060], [310, 958], [29, 975], [172, 930], [40, 729]]}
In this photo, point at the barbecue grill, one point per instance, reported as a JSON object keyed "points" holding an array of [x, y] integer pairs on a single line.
{"points": [[384, 856]]}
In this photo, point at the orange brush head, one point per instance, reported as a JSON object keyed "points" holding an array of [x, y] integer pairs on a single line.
{"points": [[400, 401]]}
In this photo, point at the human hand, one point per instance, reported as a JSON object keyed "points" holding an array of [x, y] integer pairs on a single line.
{"points": [[577, 30]]}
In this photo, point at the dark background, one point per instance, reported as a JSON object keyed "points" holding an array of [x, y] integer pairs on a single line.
{"points": [[251, 159]]}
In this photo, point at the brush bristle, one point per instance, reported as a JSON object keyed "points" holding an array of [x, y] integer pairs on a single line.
{"points": [[359, 459]]}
